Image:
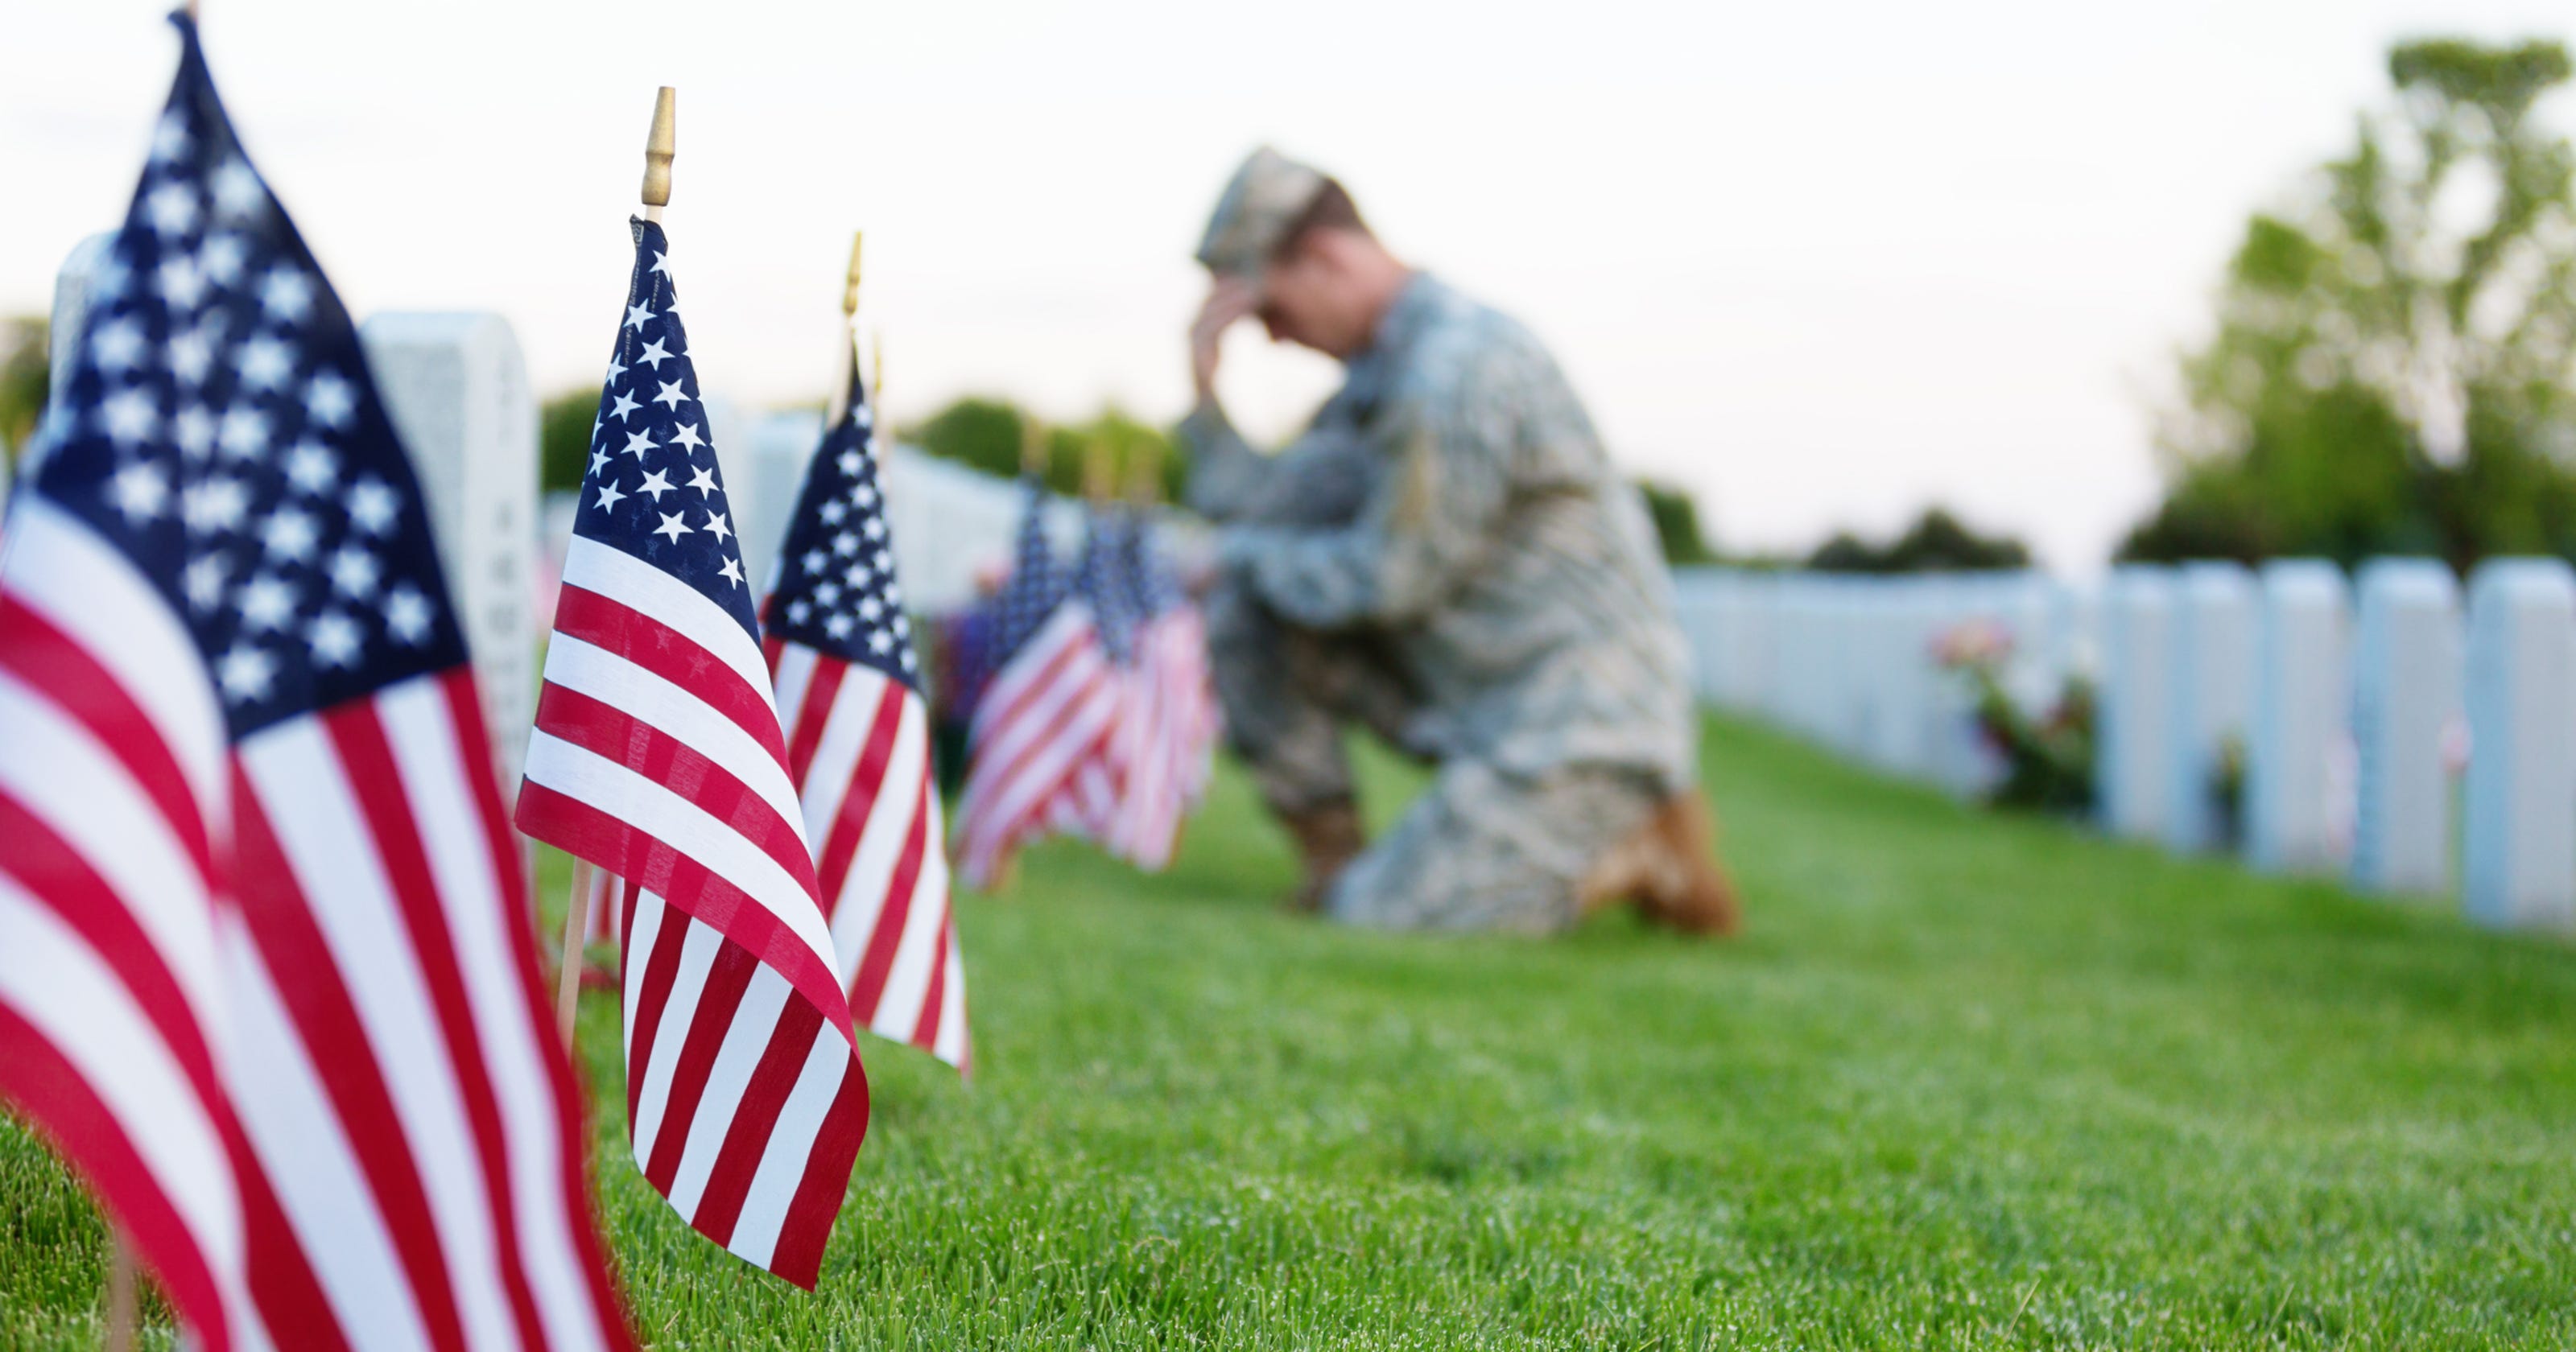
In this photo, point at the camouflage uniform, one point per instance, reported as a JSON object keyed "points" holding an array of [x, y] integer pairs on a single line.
{"points": [[1448, 557]]}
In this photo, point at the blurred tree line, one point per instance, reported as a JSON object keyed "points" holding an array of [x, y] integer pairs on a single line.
{"points": [[1937, 542], [2394, 369]]}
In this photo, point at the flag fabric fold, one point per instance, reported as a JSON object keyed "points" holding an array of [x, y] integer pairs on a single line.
{"points": [[658, 756], [848, 682], [266, 973]]}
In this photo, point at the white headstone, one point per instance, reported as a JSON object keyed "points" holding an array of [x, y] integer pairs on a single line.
{"points": [[764, 471], [2406, 701], [457, 391], [71, 310], [2519, 819], [2296, 780], [2132, 764], [2213, 697]]}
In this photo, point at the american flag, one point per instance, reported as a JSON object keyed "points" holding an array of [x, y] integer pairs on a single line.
{"points": [[858, 745], [266, 973], [1163, 745], [658, 756], [1044, 717], [1094, 795]]}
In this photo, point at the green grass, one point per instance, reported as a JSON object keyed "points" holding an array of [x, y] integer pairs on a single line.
{"points": [[1968, 1082]]}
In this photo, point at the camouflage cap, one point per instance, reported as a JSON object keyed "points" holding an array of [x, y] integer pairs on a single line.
{"points": [[1263, 199]]}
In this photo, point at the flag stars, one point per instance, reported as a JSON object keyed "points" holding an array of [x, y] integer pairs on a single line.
{"points": [[312, 468], [333, 639], [244, 433], [732, 570], [718, 526], [373, 504], [653, 355], [838, 625], [117, 346], [238, 191], [845, 544], [138, 491], [203, 580], [180, 282], [290, 533], [833, 512], [222, 258], [172, 209], [670, 396], [329, 399], [656, 484], [267, 602], [849, 462], [214, 505], [799, 612], [192, 354], [407, 615], [245, 672], [637, 443], [637, 316], [685, 436], [598, 462], [608, 497], [661, 263], [623, 407], [286, 294], [354, 572], [672, 526], [170, 139], [131, 415], [702, 479], [266, 363]]}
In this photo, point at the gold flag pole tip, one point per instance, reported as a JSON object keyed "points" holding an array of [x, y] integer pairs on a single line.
{"points": [[659, 147], [850, 292]]}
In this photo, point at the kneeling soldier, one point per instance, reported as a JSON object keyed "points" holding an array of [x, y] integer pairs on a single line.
{"points": [[1446, 556]]}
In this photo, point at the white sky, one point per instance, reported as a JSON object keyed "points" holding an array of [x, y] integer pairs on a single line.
{"points": [[1821, 263]]}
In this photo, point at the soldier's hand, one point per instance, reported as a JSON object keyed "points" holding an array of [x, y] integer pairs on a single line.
{"points": [[1230, 300]]}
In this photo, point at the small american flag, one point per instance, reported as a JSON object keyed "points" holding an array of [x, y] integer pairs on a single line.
{"points": [[1095, 795], [858, 744], [1046, 714], [658, 756], [1162, 747], [266, 972]]}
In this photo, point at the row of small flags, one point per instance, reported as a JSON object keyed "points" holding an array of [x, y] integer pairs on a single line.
{"points": [[1088, 704], [268, 975]]}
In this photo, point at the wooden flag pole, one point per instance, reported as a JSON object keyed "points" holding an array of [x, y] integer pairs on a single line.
{"points": [[845, 371], [122, 1298], [577, 905]]}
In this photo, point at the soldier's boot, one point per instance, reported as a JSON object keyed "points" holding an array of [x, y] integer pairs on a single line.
{"points": [[1328, 837], [1669, 867]]}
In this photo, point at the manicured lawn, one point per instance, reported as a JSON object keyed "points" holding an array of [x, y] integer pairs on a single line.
{"points": [[1969, 1082]]}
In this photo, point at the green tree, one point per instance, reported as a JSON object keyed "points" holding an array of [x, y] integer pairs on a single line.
{"points": [[23, 381], [2394, 368], [987, 434], [1676, 517], [1937, 542], [563, 439]]}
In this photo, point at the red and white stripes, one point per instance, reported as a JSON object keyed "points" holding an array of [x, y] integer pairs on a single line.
{"points": [[1045, 719], [279, 1004], [858, 744], [658, 756]]}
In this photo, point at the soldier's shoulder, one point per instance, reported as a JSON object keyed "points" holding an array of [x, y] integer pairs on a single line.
{"points": [[1465, 344]]}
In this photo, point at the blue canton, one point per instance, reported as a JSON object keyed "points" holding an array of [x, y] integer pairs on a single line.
{"points": [[220, 429], [1101, 580], [652, 487], [1157, 588], [1034, 587], [836, 587]]}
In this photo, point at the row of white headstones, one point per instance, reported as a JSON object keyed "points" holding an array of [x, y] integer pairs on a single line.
{"points": [[456, 386], [2372, 712]]}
